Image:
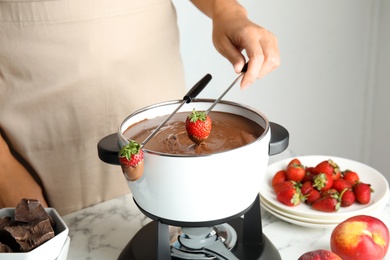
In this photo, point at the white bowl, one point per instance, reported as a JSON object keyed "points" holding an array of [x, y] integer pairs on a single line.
{"points": [[51, 249]]}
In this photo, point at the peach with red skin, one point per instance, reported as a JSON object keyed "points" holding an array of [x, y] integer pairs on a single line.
{"points": [[319, 254], [360, 238]]}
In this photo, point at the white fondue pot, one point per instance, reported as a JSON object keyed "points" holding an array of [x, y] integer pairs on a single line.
{"points": [[201, 188]]}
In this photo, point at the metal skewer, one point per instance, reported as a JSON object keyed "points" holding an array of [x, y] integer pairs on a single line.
{"points": [[191, 94], [227, 90]]}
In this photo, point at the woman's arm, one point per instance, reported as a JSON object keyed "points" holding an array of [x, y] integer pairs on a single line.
{"points": [[15, 181], [233, 32]]}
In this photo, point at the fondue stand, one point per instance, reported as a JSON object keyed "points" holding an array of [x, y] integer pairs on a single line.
{"points": [[235, 237]]}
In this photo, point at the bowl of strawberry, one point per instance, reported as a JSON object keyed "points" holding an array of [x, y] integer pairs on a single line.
{"points": [[205, 178], [324, 187]]}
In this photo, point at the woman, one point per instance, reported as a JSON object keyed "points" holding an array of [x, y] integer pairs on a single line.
{"points": [[71, 71]]}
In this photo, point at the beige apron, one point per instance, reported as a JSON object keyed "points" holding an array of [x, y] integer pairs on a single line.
{"points": [[70, 72]]}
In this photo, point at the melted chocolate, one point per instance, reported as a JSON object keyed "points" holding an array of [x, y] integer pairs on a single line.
{"points": [[228, 131]]}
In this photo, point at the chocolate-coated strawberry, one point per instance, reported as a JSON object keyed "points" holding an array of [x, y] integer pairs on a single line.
{"points": [[131, 160], [198, 126]]}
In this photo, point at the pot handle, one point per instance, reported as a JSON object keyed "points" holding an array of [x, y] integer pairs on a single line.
{"points": [[279, 139], [108, 149]]}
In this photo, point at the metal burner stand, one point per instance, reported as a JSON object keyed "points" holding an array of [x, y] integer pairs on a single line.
{"points": [[153, 240]]}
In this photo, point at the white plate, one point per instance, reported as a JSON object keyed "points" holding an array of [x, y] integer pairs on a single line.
{"points": [[367, 174], [267, 205], [312, 222], [298, 222]]}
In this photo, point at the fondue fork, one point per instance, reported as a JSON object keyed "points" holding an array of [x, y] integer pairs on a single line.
{"points": [[227, 90], [191, 94]]}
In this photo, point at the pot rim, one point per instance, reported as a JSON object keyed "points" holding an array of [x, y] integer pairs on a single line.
{"points": [[122, 140]]}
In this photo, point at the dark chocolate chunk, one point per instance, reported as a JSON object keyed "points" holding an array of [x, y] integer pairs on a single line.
{"points": [[29, 210], [5, 221], [32, 235]]}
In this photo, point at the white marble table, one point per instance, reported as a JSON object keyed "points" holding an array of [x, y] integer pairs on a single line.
{"points": [[102, 231]]}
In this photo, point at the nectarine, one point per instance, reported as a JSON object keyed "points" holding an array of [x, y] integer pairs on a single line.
{"points": [[360, 237], [319, 254]]}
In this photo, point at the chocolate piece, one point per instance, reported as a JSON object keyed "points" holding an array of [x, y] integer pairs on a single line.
{"points": [[29, 210], [32, 235], [5, 221], [4, 248], [31, 227]]}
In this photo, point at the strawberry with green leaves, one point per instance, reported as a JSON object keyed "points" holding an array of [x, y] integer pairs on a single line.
{"points": [[347, 197], [290, 196], [362, 192], [309, 192], [329, 167], [351, 176], [328, 203], [296, 172], [341, 184], [131, 159], [285, 185], [198, 126], [279, 177], [323, 182]]}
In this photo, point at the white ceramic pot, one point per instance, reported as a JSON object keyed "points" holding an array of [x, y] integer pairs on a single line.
{"points": [[200, 188]]}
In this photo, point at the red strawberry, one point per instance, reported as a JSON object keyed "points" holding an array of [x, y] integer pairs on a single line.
{"points": [[341, 184], [351, 176], [295, 173], [131, 159], [290, 197], [310, 173], [312, 196], [330, 203], [293, 162], [284, 185], [322, 182], [309, 192], [306, 187], [198, 126], [329, 167], [279, 177], [347, 197], [330, 192], [362, 192]]}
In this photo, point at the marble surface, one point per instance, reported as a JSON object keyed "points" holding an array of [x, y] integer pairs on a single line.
{"points": [[103, 230]]}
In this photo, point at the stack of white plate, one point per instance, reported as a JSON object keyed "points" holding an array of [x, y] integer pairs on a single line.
{"points": [[304, 215]]}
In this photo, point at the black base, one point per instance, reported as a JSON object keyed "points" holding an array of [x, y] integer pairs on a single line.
{"points": [[152, 241], [144, 245]]}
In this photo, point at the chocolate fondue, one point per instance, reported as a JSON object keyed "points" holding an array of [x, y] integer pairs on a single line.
{"points": [[228, 131]]}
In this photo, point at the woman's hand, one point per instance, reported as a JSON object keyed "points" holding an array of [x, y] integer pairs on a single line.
{"points": [[233, 32]]}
